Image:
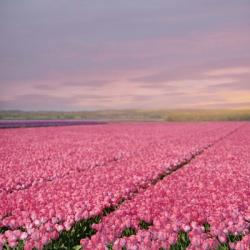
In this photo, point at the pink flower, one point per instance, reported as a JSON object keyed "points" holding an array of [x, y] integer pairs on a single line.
{"points": [[23, 236], [71, 174]]}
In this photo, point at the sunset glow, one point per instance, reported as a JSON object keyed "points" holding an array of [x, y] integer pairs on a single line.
{"points": [[90, 55]]}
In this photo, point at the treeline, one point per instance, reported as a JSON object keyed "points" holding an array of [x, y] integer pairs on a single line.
{"points": [[132, 115]]}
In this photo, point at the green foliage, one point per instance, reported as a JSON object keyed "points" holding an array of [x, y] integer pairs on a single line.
{"points": [[234, 238], [78, 247], [70, 239], [230, 238], [110, 247], [223, 247], [3, 229], [128, 232], [207, 227], [182, 242], [145, 225], [109, 210]]}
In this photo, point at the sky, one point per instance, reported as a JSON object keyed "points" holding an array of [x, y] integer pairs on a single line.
{"points": [[95, 55]]}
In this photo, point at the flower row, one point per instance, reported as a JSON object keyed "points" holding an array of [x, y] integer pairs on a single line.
{"points": [[209, 199], [41, 211]]}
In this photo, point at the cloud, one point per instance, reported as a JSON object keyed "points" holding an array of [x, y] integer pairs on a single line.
{"points": [[39, 102], [84, 83], [45, 86], [122, 54], [229, 71], [238, 85], [213, 69], [96, 97]]}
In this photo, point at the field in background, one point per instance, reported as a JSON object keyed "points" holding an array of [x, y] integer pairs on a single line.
{"points": [[134, 115]]}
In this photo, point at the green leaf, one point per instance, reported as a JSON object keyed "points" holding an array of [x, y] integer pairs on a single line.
{"points": [[78, 247]]}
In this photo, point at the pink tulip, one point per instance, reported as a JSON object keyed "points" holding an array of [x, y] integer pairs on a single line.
{"points": [[23, 236], [70, 174]]}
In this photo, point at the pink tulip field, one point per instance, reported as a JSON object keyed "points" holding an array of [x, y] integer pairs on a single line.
{"points": [[130, 186]]}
